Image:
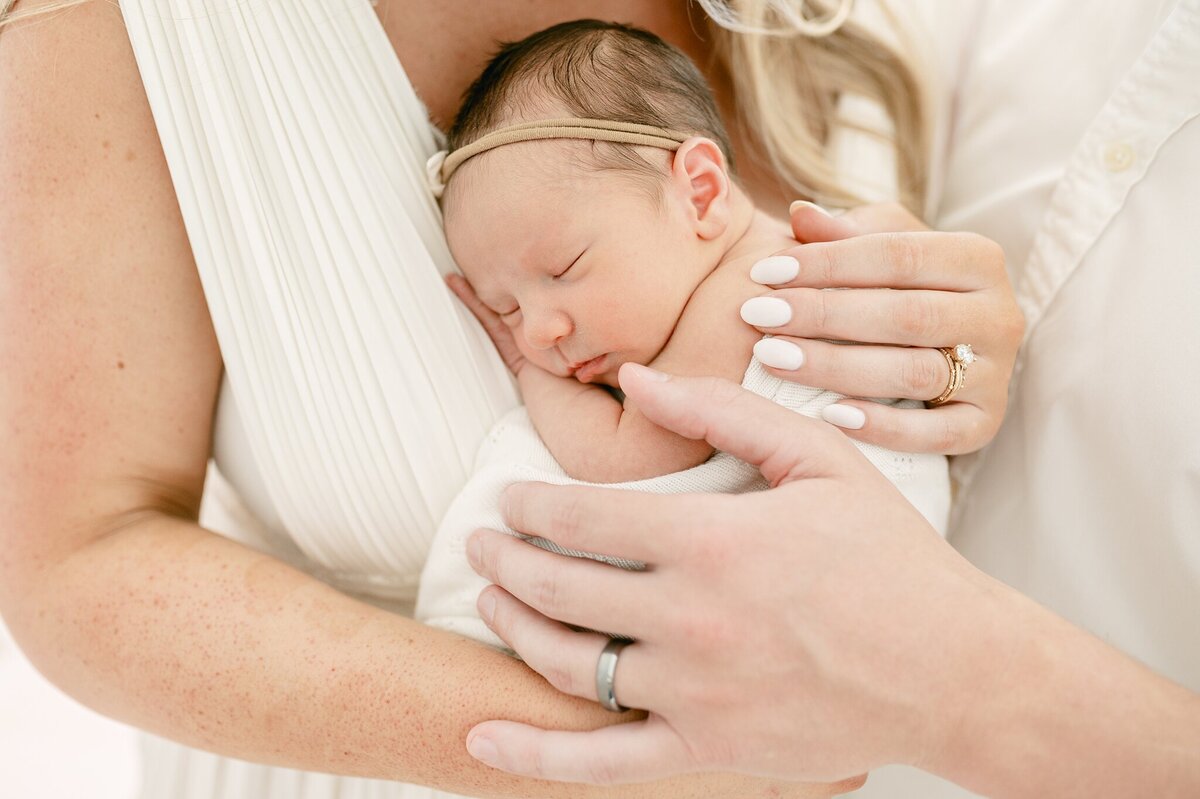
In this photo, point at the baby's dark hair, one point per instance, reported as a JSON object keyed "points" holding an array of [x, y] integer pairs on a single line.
{"points": [[597, 70]]}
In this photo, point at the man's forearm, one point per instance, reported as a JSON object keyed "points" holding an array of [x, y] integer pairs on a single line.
{"points": [[1054, 711]]}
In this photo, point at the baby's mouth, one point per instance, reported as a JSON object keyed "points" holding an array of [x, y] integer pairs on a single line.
{"points": [[586, 371]]}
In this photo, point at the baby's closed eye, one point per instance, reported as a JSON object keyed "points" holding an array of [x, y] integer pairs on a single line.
{"points": [[569, 266]]}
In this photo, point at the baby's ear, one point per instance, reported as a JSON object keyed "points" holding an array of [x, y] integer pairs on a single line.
{"points": [[699, 176]]}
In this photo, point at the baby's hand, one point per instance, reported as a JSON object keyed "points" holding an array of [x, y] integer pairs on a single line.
{"points": [[500, 333]]}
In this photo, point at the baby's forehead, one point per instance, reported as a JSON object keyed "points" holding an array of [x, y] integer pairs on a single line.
{"points": [[523, 186], [550, 163]]}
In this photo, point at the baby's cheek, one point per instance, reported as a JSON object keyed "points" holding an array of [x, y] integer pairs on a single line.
{"points": [[543, 359]]}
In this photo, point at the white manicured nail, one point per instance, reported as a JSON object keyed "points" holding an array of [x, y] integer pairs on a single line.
{"points": [[778, 353], [776, 269], [766, 312], [806, 204], [846, 416]]}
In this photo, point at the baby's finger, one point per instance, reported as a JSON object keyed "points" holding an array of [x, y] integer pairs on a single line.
{"points": [[953, 429], [465, 292]]}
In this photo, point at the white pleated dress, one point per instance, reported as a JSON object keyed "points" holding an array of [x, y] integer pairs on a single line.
{"points": [[357, 390]]}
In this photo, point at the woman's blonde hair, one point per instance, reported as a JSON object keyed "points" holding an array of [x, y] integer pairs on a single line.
{"points": [[789, 70], [8, 15]]}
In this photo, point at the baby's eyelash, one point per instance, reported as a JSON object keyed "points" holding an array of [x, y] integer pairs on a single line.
{"points": [[570, 265]]}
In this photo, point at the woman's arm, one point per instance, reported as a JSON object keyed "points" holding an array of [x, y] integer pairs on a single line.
{"points": [[111, 371], [885, 646]]}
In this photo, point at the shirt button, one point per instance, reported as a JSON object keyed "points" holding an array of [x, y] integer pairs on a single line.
{"points": [[1118, 157]]}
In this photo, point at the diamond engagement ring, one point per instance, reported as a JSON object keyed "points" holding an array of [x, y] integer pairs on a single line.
{"points": [[958, 358], [606, 670]]}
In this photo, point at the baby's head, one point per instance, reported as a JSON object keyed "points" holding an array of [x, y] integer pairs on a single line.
{"points": [[590, 249]]}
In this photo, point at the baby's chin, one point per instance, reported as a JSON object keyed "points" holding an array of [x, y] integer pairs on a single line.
{"points": [[609, 380]]}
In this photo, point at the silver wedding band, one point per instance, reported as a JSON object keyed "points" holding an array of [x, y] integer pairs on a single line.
{"points": [[606, 671]]}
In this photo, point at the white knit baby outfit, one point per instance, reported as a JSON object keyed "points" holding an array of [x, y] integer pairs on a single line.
{"points": [[513, 452]]}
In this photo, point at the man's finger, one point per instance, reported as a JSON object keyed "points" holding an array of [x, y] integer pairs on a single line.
{"points": [[603, 521], [577, 591], [636, 752], [565, 657], [783, 444]]}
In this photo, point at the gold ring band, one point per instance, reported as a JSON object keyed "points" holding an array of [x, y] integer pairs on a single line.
{"points": [[958, 377]]}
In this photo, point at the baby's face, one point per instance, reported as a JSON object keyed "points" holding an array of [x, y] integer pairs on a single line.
{"points": [[583, 266]]}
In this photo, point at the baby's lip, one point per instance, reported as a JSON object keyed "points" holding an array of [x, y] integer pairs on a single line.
{"points": [[586, 371], [570, 364]]}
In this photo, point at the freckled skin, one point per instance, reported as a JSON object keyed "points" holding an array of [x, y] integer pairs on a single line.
{"points": [[107, 580]]}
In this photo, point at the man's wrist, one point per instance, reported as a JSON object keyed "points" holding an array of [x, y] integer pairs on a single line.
{"points": [[1051, 710], [976, 674]]}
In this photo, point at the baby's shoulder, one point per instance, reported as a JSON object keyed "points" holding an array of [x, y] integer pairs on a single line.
{"points": [[711, 338], [729, 282]]}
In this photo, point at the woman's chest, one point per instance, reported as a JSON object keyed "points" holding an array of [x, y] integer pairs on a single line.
{"points": [[445, 45]]}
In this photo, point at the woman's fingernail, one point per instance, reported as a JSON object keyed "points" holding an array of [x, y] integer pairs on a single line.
{"points": [[483, 750], [766, 312], [846, 416], [647, 372], [776, 269], [486, 604], [779, 354], [806, 204]]}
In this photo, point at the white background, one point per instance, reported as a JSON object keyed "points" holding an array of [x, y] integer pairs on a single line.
{"points": [[51, 747]]}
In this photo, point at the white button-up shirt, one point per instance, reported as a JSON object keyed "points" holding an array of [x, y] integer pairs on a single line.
{"points": [[1070, 135]]}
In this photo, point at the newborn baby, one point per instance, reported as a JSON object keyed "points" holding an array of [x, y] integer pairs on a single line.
{"points": [[590, 201]]}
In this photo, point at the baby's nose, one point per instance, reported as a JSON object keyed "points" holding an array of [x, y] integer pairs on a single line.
{"points": [[544, 329]]}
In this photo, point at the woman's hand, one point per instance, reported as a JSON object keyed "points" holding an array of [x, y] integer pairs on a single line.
{"points": [[500, 333], [944, 289], [812, 631]]}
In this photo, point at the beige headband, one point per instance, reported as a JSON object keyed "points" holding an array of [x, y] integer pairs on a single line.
{"points": [[442, 165]]}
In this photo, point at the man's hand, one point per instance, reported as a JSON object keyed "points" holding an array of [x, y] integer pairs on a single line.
{"points": [[812, 631]]}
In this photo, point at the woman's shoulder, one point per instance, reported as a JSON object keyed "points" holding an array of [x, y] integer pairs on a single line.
{"points": [[116, 347], [71, 102]]}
